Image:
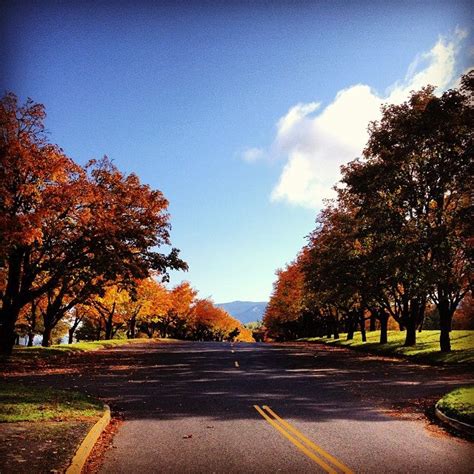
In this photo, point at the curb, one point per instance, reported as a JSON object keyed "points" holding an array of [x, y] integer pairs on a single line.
{"points": [[458, 425], [88, 443]]}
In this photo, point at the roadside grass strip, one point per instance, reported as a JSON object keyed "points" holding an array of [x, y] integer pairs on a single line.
{"points": [[317, 454], [459, 405], [425, 350], [42, 427], [20, 403], [39, 352]]}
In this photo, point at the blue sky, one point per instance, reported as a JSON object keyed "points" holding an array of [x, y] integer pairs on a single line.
{"points": [[240, 112]]}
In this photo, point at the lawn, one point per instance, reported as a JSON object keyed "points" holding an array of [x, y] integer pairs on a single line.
{"points": [[41, 428], [20, 403], [65, 349], [459, 404], [426, 349]]}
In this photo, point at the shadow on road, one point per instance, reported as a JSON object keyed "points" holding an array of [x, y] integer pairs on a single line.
{"points": [[182, 380]]}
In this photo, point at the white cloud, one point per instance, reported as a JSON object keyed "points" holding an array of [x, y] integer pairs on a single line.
{"points": [[316, 142], [317, 146], [253, 154]]}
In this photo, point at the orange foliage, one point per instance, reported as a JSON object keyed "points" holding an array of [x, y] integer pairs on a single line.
{"points": [[286, 302], [213, 323], [67, 231]]}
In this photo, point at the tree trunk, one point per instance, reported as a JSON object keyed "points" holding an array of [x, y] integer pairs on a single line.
{"points": [[421, 316], [383, 316], [350, 329], [11, 306], [444, 337], [362, 327], [373, 321], [109, 322], [8, 317], [132, 327], [445, 321], [412, 314], [31, 332], [46, 342], [410, 339], [108, 326]]}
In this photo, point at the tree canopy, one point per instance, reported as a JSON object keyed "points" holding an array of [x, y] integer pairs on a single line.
{"points": [[399, 235], [66, 230]]}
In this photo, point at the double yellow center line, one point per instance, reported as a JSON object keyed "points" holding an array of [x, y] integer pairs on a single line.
{"points": [[312, 450]]}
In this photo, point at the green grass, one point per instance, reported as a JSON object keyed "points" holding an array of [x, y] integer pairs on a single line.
{"points": [[426, 349], [459, 404], [21, 403], [66, 349]]}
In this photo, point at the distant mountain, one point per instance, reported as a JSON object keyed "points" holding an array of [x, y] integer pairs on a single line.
{"points": [[245, 311]]}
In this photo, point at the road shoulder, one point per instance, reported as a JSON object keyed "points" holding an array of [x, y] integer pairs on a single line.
{"points": [[41, 428]]}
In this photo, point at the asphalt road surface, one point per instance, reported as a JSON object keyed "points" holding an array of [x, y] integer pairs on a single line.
{"points": [[207, 407]]}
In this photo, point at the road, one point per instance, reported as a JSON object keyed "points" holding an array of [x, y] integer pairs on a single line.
{"points": [[207, 407]]}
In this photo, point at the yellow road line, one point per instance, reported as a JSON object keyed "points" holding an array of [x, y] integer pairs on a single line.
{"points": [[236, 364], [308, 442], [293, 440]]}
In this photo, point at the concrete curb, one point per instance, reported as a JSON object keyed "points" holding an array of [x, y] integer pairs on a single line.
{"points": [[456, 424], [88, 443]]}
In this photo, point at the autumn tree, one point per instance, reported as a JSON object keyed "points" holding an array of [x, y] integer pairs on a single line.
{"points": [[111, 309], [138, 304], [176, 319], [286, 304], [331, 269], [74, 318], [211, 323], [464, 318], [29, 321], [36, 184], [413, 185], [399, 236], [65, 231]]}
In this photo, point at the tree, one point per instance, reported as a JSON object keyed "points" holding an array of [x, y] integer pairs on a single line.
{"points": [[74, 319], [286, 304], [465, 313], [178, 314], [211, 323], [413, 185], [111, 310], [332, 268], [36, 181], [66, 231]]}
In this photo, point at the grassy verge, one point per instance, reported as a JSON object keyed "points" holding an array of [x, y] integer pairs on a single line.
{"points": [[459, 404], [20, 403], [41, 428], [36, 352], [426, 349]]}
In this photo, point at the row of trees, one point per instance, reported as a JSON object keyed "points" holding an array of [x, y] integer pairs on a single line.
{"points": [[398, 239], [68, 233], [149, 308]]}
